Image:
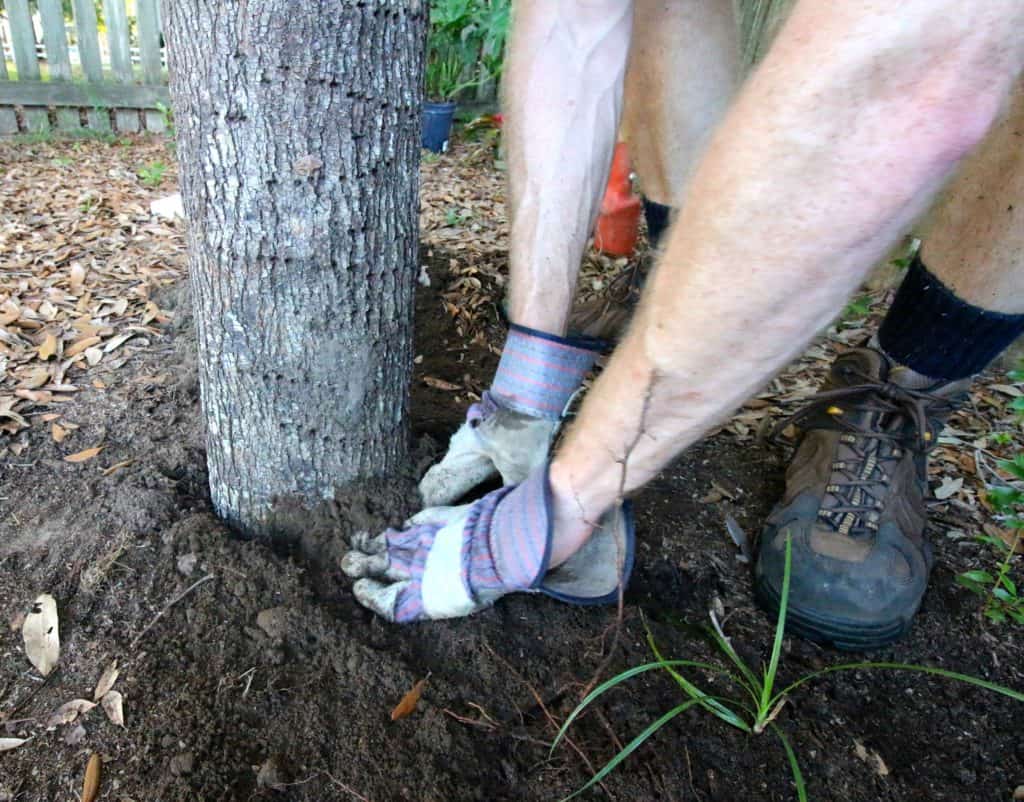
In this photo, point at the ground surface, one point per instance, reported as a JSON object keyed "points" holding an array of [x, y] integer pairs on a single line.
{"points": [[249, 675]]}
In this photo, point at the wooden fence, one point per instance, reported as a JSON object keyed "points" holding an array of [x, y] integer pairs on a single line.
{"points": [[75, 77]]}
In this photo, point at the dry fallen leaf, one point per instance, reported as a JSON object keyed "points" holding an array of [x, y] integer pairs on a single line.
{"points": [[113, 706], [78, 347], [440, 384], [83, 456], [77, 277], [106, 681], [41, 633], [48, 348], [93, 355], [68, 712], [12, 743], [949, 487], [117, 466], [58, 432], [872, 758], [408, 703], [91, 786], [75, 735]]}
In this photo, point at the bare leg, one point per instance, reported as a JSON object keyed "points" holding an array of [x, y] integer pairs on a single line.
{"points": [[563, 101], [975, 238], [683, 72], [873, 105]]}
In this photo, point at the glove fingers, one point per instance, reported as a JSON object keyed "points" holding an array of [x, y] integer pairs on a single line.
{"points": [[356, 564], [369, 544], [464, 466], [378, 597]]}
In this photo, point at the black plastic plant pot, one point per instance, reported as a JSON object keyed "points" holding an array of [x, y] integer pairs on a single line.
{"points": [[437, 125]]}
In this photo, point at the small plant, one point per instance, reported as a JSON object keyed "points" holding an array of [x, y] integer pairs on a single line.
{"points": [[453, 217], [759, 704], [858, 308], [168, 117], [445, 68], [465, 46], [152, 175], [1002, 600]]}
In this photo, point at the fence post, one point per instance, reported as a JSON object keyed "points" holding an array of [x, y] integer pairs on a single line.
{"points": [[127, 120], [56, 40], [23, 38], [88, 40], [8, 119], [3, 56], [116, 17], [148, 19], [89, 55]]}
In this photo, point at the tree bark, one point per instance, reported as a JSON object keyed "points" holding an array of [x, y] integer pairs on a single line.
{"points": [[298, 129]]}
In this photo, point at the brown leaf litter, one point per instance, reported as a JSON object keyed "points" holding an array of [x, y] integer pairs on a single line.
{"points": [[81, 257]]}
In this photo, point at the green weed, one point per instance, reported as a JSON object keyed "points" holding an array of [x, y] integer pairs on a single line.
{"points": [[758, 705], [168, 115], [1003, 601], [857, 309], [152, 175], [453, 217]]}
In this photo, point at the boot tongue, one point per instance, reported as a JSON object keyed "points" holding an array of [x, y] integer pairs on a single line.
{"points": [[857, 367]]}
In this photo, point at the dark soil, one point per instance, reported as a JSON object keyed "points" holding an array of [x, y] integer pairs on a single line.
{"points": [[267, 681]]}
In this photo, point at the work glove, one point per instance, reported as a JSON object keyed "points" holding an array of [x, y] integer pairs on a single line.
{"points": [[510, 431], [453, 561]]}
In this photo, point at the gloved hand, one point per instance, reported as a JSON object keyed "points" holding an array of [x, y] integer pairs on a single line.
{"points": [[509, 433], [454, 561]]}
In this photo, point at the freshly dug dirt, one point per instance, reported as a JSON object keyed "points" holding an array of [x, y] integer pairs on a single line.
{"points": [[248, 674]]}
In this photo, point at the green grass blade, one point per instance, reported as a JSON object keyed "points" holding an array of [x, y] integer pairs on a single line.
{"points": [[780, 629], [794, 767], [937, 672], [749, 680], [713, 707], [633, 745], [622, 677]]}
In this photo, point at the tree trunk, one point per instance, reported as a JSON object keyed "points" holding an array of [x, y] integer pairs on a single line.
{"points": [[298, 131]]}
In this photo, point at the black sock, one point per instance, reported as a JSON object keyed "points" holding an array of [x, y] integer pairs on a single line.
{"points": [[657, 216], [931, 331]]}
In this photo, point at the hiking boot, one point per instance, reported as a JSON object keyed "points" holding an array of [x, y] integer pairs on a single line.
{"points": [[854, 506], [606, 316]]}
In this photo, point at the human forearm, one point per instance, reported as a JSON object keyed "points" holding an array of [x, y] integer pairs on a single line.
{"points": [[813, 174], [563, 102]]}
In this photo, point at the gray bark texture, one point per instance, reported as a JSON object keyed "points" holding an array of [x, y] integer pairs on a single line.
{"points": [[298, 130]]}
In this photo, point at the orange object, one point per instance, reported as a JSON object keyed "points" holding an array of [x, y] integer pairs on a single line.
{"points": [[618, 224]]}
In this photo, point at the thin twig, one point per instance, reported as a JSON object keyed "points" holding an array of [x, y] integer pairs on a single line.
{"points": [[494, 729], [169, 605], [641, 430], [552, 721], [346, 788]]}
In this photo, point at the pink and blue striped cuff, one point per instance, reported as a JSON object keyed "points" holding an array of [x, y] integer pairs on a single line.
{"points": [[538, 372], [508, 538]]}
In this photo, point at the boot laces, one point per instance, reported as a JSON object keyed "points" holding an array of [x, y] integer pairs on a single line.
{"points": [[879, 419]]}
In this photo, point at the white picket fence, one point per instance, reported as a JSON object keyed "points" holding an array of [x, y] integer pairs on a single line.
{"points": [[68, 76]]}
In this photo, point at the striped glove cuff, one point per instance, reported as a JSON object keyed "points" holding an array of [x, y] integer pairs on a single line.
{"points": [[538, 372]]}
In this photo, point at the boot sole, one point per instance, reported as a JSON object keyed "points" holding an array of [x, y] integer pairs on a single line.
{"points": [[842, 634]]}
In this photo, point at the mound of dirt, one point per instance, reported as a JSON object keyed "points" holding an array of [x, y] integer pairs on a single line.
{"points": [[250, 674]]}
